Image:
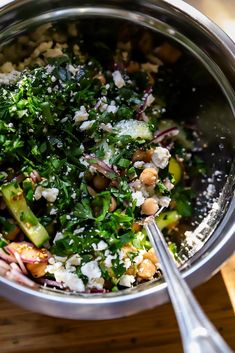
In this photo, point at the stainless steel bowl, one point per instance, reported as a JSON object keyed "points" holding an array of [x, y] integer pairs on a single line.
{"points": [[213, 61]]}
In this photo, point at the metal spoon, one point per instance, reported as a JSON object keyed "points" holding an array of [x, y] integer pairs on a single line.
{"points": [[197, 332]]}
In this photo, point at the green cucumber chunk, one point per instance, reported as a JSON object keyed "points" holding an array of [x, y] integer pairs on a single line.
{"points": [[27, 221]]}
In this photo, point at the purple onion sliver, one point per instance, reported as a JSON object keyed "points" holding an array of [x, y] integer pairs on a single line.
{"points": [[160, 135], [7, 257], [20, 262], [50, 282]]}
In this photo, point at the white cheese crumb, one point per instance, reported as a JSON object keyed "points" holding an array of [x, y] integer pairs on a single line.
{"points": [[112, 108], [86, 125], [81, 115], [38, 192], [9, 78], [100, 246], [164, 201], [74, 260], [50, 194], [106, 127], [139, 164], [161, 157], [138, 259], [127, 280], [138, 196], [91, 270], [58, 236], [108, 260], [97, 283], [53, 211], [70, 280], [127, 263], [118, 80], [168, 184]]}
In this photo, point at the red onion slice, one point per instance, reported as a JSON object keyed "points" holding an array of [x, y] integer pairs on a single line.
{"points": [[4, 265], [50, 283], [7, 257], [20, 262], [16, 276], [143, 106], [161, 135]]}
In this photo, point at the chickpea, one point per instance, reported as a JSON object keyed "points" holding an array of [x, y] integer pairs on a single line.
{"points": [[151, 256], [141, 155], [149, 176], [100, 182], [146, 269], [149, 207], [113, 205]]}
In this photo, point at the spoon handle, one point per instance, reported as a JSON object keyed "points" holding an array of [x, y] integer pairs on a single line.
{"points": [[197, 332]]}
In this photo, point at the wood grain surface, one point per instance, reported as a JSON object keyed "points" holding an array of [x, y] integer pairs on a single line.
{"points": [[151, 331]]}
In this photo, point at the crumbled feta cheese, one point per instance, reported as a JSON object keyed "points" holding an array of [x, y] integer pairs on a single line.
{"points": [[38, 192], [74, 260], [9, 78], [79, 230], [51, 261], [102, 104], [91, 270], [127, 263], [118, 80], [86, 125], [150, 99], [81, 115], [139, 164], [60, 258], [127, 280], [106, 127], [164, 201], [100, 246], [161, 157], [97, 283], [70, 280], [72, 69], [168, 184], [138, 196], [112, 108], [108, 260], [50, 194], [69, 267], [53, 211], [58, 236], [138, 259], [49, 69], [54, 267]]}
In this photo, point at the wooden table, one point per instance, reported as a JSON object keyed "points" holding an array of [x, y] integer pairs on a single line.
{"points": [[149, 332]]}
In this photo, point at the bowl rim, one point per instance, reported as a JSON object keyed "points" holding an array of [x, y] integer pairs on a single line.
{"points": [[205, 265]]}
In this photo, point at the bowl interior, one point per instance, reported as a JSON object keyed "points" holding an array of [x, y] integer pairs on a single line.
{"points": [[198, 95]]}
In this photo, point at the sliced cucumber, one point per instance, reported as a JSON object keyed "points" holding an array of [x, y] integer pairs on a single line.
{"points": [[27, 221]]}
